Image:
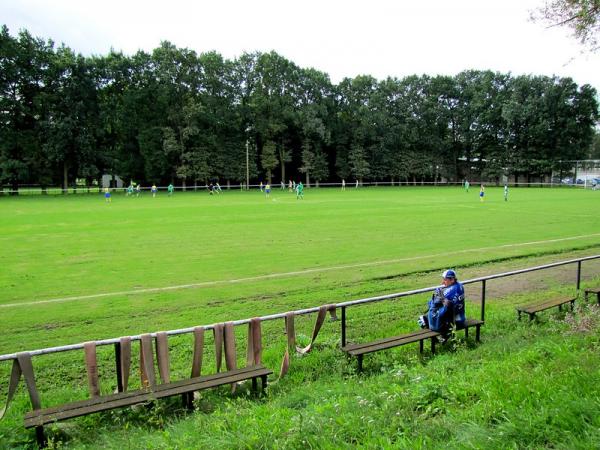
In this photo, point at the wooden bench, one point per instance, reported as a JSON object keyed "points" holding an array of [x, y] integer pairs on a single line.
{"points": [[39, 418], [595, 291], [420, 336], [535, 308], [359, 350]]}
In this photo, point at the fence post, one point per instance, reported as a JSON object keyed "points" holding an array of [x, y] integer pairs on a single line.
{"points": [[118, 363], [343, 326], [483, 300], [578, 274]]}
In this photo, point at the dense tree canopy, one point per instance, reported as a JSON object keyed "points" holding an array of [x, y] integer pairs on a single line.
{"points": [[177, 116]]}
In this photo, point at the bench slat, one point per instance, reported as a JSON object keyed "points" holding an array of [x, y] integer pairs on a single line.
{"points": [[473, 322], [392, 342], [119, 395], [396, 341], [76, 409], [530, 309], [418, 333]]}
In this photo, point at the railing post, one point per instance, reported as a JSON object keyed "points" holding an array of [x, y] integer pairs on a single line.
{"points": [[578, 274], [118, 364], [343, 326], [483, 300]]}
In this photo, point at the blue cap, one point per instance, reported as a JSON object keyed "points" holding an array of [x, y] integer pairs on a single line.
{"points": [[449, 274]]}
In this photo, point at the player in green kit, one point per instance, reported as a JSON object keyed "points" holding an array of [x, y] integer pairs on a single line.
{"points": [[300, 191], [170, 189], [506, 192]]}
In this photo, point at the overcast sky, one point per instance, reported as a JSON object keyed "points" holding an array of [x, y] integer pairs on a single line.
{"points": [[342, 38]]}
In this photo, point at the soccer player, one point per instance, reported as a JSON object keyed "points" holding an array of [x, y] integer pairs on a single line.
{"points": [[218, 188], [506, 192], [343, 184], [170, 189], [481, 193], [282, 185], [153, 189], [107, 195], [267, 190], [130, 190], [467, 185], [299, 191], [261, 186], [290, 186], [446, 307], [138, 190], [356, 186]]}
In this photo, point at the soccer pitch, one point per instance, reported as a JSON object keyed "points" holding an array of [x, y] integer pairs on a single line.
{"points": [[75, 268]]}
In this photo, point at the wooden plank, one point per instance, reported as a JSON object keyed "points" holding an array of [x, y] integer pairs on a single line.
{"points": [[350, 347], [544, 305], [144, 396], [473, 323], [395, 343], [76, 409], [111, 397], [529, 309]]}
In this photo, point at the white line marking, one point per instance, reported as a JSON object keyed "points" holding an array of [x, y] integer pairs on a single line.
{"points": [[286, 274]]}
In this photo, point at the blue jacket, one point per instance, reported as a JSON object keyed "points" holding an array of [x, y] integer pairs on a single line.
{"points": [[441, 316]]}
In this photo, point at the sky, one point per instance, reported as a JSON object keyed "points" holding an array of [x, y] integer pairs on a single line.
{"points": [[341, 38]]}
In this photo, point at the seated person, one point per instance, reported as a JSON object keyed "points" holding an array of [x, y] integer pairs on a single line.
{"points": [[446, 307]]}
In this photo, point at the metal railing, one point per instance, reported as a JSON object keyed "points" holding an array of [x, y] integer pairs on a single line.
{"points": [[343, 306]]}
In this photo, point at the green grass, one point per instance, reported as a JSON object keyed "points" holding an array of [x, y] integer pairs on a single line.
{"points": [[331, 247]]}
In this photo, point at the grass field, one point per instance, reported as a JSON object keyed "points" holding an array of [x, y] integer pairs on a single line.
{"points": [[75, 269]]}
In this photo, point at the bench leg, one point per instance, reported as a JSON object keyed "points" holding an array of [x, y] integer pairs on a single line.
{"points": [[559, 308], [187, 399], [466, 333], [572, 305], [263, 379], [519, 312], [421, 346], [39, 435], [531, 316], [478, 333], [598, 298], [254, 384], [433, 345], [360, 365]]}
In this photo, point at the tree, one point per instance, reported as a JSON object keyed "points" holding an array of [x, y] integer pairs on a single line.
{"points": [[359, 166], [72, 118], [285, 156], [268, 159], [594, 152], [25, 79], [320, 170], [308, 160], [582, 17]]}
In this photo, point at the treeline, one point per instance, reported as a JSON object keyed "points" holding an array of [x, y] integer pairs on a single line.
{"points": [[177, 116]]}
